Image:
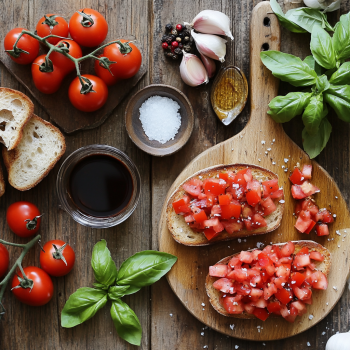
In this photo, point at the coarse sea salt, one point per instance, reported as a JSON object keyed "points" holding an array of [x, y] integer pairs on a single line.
{"points": [[160, 118]]}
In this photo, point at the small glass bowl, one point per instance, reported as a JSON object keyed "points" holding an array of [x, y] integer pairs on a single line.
{"points": [[66, 201]]}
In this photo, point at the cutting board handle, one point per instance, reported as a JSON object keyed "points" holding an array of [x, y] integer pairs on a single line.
{"points": [[265, 35]]}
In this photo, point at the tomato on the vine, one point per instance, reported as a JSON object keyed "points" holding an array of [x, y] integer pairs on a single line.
{"points": [[23, 218], [104, 73], [58, 258], [41, 291], [88, 27], [46, 82], [4, 260], [52, 24], [90, 101], [25, 43], [63, 62]]}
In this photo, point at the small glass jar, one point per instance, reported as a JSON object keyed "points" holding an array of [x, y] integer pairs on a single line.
{"points": [[62, 185]]}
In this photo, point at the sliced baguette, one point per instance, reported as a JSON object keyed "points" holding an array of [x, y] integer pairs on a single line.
{"points": [[41, 147], [183, 234], [15, 111], [214, 294], [2, 182]]}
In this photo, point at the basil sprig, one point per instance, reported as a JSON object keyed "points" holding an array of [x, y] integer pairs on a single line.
{"points": [[142, 269], [325, 74]]}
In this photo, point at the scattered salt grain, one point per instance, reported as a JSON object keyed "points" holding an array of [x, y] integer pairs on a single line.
{"points": [[202, 334], [334, 215], [338, 232], [205, 347], [311, 317], [269, 149], [236, 346], [160, 118], [239, 240], [308, 344], [171, 315], [286, 160], [232, 326], [335, 288], [282, 201], [203, 304], [323, 333], [263, 142]]}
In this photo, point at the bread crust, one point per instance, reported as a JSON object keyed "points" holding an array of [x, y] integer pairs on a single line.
{"points": [[214, 295], [183, 234], [2, 182]]}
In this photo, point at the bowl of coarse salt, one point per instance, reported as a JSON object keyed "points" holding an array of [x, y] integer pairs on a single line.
{"points": [[159, 119]]}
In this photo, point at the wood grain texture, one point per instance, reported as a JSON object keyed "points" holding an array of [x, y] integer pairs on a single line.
{"points": [[262, 142]]}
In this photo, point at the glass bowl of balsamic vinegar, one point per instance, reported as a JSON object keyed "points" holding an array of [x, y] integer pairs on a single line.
{"points": [[99, 186]]}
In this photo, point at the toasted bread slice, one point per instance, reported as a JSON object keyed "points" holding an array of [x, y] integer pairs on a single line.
{"points": [[15, 111], [183, 234], [2, 182], [41, 147], [214, 295]]}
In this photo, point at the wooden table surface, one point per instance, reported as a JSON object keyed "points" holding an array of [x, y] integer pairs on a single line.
{"points": [[166, 323]]}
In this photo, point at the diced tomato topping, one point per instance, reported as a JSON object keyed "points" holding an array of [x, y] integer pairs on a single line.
{"points": [[214, 186], [298, 208], [230, 211], [319, 280], [270, 186], [258, 221], [289, 315], [215, 210], [301, 260], [297, 192], [274, 307], [322, 230], [269, 290], [309, 189], [224, 285], [297, 279], [307, 169], [262, 314], [181, 206], [218, 270], [303, 221], [224, 199], [276, 195], [249, 309], [287, 249], [268, 205], [211, 222], [327, 217], [311, 226], [240, 179], [246, 257], [235, 262], [193, 187], [189, 218], [232, 225], [308, 301], [302, 293], [210, 233], [297, 177], [309, 205], [300, 306], [238, 275], [232, 305], [260, 303], [316, 256], [200, 216], [256, 293], [284, 296], [219, 227], [253, 193]]}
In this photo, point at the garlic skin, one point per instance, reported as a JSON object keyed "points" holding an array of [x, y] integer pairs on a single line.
{"points": [[326, 5], [338, 341], [210, 45], [209, 65], [192, 70], [212, 22]]}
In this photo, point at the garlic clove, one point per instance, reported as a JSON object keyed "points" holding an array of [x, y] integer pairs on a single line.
{"points": [[210, 45], [212, 22], [209, 65], [192, 70]]}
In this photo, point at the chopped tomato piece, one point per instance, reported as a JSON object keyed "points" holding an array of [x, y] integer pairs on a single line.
{"points": [[284, 296], [258, 221], [322, 230], [316, 256], [309, 205], [218, 270], [270, 186], [256, 293], [189, 218], [287, 249], [200, 216], [303, 251], [193, 187], [235, 262], [297, 279], [297, 192], [303, 221], [232, 225], [311, 226], [248, 224], [301, 260], [309, 189], [181, 206], [215, 210], [238, 275], [268, 205], [247, 212], [300, 306], [260, 303], [249, 309], [253, 194], [262, 314], [210, 233], [307, 169], [236, 191], [298, 208], [230, 211], [308, 301], [283, 271], [232, 305], [240, 179], [224, 199], [274, 308], [211, 222], [319, 280], [219, 227], [277, 195], [302, 293], [224, 285], [242, 289], [246, 257], [297, 177], [264, 260], [214, 186], [269, 290], [327, 217], [287, 315]]}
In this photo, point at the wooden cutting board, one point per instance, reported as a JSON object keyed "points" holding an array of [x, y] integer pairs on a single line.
{"points": [[261, 135], [58, 106]]}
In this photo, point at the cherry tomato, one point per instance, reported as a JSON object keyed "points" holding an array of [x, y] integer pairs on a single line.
{"points": [[26, 43], [90, 101], [61, 61], [127, 64], [42, 290], [47, 83], [4, 260], [23, 218], [88, 33], [52, 24], [51, 260], [104, 73]]}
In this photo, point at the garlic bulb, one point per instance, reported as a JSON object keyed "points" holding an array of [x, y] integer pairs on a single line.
{"points": [[212, 22], [326, 5], [209, 65], [210, 45], [338, 341], [192, 70]]}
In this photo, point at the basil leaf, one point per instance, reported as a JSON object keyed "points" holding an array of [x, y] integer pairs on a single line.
{"points": [[313, 115], [100, 286], [126, 322], [310, 61], [132, 290], [145, 268], [322, 83], [307, 18], [322, 48], [82, 305], [314, 144], [276, 8], [342, 75], [285, 108], [117, 292], [338, 97], [103, 264], [341, 38], [288, 68]]}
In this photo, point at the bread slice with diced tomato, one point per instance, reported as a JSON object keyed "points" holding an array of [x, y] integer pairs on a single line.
{"points": [[184, 234], [214, 294]]}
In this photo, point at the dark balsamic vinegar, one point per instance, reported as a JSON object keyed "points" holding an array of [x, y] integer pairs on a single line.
{"points": [[100, 185]]}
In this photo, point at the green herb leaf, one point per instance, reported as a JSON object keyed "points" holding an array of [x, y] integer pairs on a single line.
{"points": [[342, 75], [341, 38], [314, 144], [288, 68], [117, 292], [285, 108], [313, 115], [276, 8], [132, 290], [103, 264], [310, 61], [145, 268], [100, 286], [126, 322], [338, 97], [322, 48], [82, 305], [322, 83]]}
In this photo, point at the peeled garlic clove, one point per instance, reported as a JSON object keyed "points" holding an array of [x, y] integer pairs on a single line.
{"points": [[209, 65], [210, 45], [327, 5], [192, 70], [212, 22]]}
